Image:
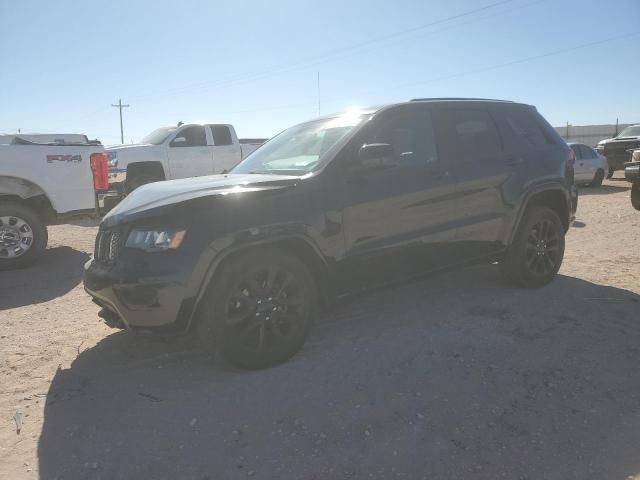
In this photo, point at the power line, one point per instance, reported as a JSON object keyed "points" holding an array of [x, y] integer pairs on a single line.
{"points": [[521, 60], [303, 63], [120, 106], [456, 75]]}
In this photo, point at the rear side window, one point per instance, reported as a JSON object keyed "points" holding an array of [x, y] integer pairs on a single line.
{"points": [[221, 135], [525, 128], [411, 136], [194, 136], [476, 133]]}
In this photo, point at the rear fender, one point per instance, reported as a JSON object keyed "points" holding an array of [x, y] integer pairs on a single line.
{"points": [[530, 198]]}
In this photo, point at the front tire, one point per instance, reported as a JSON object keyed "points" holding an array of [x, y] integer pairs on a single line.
{"points": [[259, 309], [23, 236], [535, 256], [138, 180], [611, 172]]}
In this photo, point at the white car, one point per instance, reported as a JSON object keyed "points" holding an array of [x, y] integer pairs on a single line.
{"points": [[41, 184], [182, 151], [590, 167]]}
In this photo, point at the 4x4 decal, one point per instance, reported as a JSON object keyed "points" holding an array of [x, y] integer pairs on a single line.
{"points": [[64, 158]]}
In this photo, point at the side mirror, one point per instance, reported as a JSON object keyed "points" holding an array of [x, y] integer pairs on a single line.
{"points": [[179, 142], [375, 156]]}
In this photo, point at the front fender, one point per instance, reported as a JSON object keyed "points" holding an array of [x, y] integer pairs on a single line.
{"points": [[225, 247]]}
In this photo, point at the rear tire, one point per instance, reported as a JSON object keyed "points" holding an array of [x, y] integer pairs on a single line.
{"points": [[23, 236], [535, 256], [259, 309], [635, 195], [597, 178]]}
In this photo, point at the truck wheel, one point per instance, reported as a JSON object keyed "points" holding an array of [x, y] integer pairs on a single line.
{"points": [[597, 178], [23, 236], [259, 309], [535, 255], [635, 195], [138, 180], [611, 172]]}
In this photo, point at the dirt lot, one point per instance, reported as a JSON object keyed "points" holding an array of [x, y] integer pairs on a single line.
{"points": [[455, 376]]}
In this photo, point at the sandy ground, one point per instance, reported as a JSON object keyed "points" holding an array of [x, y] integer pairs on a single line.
{"points": [[455, 376]]}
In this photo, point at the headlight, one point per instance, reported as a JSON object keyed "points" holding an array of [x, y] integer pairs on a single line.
{"points": [[155, 240]]}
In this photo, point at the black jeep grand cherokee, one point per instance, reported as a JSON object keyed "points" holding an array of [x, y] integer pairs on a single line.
{"points": [[333, 205]]}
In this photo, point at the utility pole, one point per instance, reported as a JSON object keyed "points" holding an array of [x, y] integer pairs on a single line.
{"points": [[120, 106]]}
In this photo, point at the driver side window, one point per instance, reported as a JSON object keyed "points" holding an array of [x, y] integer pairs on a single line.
{"points": [[194, 136], [411, 136]]}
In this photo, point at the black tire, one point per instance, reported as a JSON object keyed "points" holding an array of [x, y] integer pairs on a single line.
{"points": [[597, 178], [611, 172], [535, 256], [138, 180], [635, 195], [259, 309], [21, 254]]}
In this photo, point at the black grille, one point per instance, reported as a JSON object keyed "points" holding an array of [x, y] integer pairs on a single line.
{"points": [[108, 244]]}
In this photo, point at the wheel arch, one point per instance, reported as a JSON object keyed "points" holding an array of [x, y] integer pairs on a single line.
{"points": [[156, 168], [299, 246], [26, 192], [554, 197]]}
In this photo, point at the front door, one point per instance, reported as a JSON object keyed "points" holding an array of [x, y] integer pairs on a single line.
{"points": [[397, 218], [189, 155]]}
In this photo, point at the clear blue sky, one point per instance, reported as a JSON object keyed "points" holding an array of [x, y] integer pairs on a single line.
{"points": [[254, 63]]}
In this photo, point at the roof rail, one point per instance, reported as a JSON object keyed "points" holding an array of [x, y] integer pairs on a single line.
{"points": [[459, 98]]}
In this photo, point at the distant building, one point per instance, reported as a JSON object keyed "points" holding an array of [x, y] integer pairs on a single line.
{"points": [[590, 134]]}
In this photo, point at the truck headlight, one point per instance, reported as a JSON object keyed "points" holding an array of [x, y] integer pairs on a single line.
{"points": [[155, 240]]}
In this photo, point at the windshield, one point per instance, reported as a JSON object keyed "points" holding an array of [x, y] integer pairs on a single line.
{"points": [[159, 135], [302, 148], [630, 132]]}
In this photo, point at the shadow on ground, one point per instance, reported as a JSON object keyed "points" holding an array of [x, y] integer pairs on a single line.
{"points": [[455, 376], [56, 273], [603, 189]]}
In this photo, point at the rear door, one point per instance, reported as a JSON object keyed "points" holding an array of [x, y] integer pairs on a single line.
{"points": [[397, 219], [481, 166], [226, 152], [189, 155]]}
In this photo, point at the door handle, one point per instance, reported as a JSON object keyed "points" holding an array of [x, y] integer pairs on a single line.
{"points": [[204, 151], [442, 175]]}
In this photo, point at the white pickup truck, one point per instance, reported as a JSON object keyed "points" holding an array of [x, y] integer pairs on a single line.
{"points": [[42, 184], [185, 150]]}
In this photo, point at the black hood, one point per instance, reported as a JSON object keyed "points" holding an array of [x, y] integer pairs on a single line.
{"points": [[161, 194]]}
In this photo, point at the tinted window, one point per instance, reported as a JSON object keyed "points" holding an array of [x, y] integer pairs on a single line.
{"points": [[221, 135], [525, 128], [587, 152], [195, 136], [411, 136], [577, 151], [476, 133]]}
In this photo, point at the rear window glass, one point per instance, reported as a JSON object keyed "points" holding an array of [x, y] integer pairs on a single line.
{"points": [[477, 134]]}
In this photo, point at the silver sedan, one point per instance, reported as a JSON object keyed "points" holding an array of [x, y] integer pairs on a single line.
{"points": [[590, 167]]}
